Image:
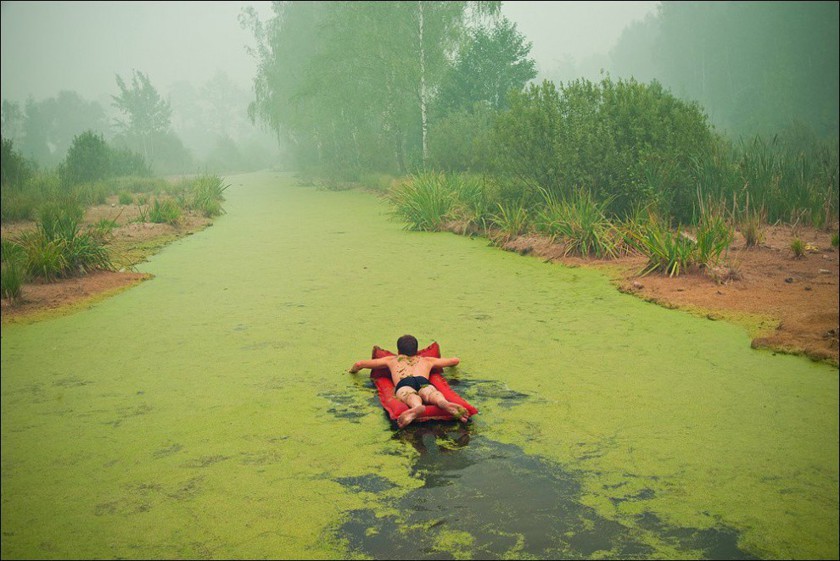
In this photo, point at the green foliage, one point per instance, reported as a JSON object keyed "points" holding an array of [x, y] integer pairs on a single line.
{"points": [[88, 160], [797, 247], [714, 235], [424, 201], [350, 84], [493, 62], [511, 220], [606, 137], [675, 251], [835, 240], [12, 270], [164, 212], [125, 198], [207, 194], [667, 251], [580, 223], [14, 168], [459, 141]]}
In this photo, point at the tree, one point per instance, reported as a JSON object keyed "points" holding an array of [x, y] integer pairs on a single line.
{"points": [[146, 115], [348, 83], [88, 160], [492, 63]]}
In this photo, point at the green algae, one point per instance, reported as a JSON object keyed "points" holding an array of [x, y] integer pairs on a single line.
{"points": [[208, 413]]}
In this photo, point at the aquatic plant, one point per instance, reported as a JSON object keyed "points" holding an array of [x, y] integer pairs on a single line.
{"points": [[580, 222], [423, 202], [714, 235], [512, 220], [206, 195], [164, 212]]}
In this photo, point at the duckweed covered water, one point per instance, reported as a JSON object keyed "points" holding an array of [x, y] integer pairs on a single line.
{"points": [[209, 413]]}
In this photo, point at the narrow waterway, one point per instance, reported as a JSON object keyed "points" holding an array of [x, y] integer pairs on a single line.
{"points": [[208, 413]]}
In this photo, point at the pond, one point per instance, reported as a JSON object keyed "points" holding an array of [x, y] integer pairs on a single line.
{"points": [[208, 413]]}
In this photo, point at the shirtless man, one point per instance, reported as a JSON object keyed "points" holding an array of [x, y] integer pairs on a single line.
{"points": [[410, 374]]}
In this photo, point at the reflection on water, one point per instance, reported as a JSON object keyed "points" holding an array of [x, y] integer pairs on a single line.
{"points": [[487, 500]]}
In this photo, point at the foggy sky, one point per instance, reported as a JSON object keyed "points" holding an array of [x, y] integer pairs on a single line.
{"points": [[52, 46]]}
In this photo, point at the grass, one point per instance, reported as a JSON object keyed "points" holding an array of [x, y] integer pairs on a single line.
{"points": [[424, 202], [797, 247], [511, 220], [579, 221]]}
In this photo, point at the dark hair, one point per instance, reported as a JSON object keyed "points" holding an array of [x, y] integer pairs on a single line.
{"points": [[407, 345]]}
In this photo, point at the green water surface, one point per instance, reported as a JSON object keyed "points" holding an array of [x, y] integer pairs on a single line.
{"points": [[208, 413]]}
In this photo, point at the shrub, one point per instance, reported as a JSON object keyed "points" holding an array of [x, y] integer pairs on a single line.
{"points": [[88, 160], [15, 170], [125, 198], [614, 137]]}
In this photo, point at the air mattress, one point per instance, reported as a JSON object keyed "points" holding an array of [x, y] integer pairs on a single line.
{"points": [[381, 378]]}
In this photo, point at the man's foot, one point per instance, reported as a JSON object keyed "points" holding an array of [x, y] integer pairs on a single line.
{"points": [[458, 412], [408, 416]]}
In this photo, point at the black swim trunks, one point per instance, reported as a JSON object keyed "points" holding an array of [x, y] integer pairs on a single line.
{"points": [[415, 382]]}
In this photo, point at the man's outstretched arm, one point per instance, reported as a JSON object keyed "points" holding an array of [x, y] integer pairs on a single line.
{"points": [[370, 363], [444, 362]]}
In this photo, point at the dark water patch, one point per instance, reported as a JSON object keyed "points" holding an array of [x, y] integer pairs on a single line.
{"points": [[204, 461], [167, 451], [126, 413], [716, 543], [70, 382], [369, 483], [345, 406], [487, 500], [482, 390]]}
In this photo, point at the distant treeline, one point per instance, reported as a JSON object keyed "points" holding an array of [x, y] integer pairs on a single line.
{"points": [[405, 87], [755, 67], [213, 130]]}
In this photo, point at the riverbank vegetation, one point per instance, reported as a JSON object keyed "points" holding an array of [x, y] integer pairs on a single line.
{"points": [[53, 241], [443, 98]]}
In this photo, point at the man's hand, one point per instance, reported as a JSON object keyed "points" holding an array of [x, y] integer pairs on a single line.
{"points": [[353, 369]]}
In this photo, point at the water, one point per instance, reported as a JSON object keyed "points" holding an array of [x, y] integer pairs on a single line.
{"points": [[209, 413]]}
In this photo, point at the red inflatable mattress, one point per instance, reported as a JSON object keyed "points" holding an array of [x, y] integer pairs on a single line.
{"points": [[381, 377]]}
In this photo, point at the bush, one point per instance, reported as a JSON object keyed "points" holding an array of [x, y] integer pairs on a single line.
{"points": [[14, 168], [609, 138], [166, 212], [579, 221], [88, 160]]}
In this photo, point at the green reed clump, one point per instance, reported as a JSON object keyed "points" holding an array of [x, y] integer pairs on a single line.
{"points": [[206, 195], [580, 222], [12, 270], [164, 212], [713, 236], [512, 220], [125, 198], [471, 203], [835, 240], [797, 247], [668, 251], [59, 248], [423, 202]]}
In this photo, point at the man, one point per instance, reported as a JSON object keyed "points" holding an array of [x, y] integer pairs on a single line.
{"points": [[410, 374]]}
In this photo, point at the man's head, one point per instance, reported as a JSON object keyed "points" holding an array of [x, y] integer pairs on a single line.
{"points": [[407, 345]]}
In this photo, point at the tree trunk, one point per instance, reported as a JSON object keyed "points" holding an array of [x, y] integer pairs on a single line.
{"points": [[423, 93]]}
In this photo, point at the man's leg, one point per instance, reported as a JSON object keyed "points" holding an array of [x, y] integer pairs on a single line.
{"points": [[415, 406], [432, 395]]}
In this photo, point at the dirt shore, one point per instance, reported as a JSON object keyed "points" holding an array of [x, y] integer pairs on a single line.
{"points": [[787, 304]]}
